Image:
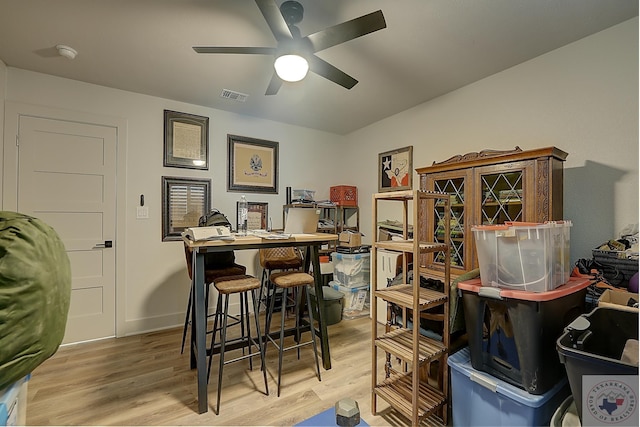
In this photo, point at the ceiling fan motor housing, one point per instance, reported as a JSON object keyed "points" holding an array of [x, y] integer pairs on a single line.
{"points": [[292, 12]]}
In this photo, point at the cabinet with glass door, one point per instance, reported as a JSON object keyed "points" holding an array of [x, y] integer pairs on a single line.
{"points": [[492, 187]]}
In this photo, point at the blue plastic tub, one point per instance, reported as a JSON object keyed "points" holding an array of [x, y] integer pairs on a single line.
{"points": [[479, 399], [13, 403]]}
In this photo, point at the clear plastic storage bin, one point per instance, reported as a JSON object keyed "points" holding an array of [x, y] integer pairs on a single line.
{"points": [[524, 256], [303, 194], [351, 270], [355, 302]]}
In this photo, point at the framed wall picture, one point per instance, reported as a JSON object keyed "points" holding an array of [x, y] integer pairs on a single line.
{"points": [[395, 170], [258, 215], [184, 201], [186, 140], [253, 165]]}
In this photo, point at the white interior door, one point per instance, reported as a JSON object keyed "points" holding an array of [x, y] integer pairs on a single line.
{"points": [[66, 177]]}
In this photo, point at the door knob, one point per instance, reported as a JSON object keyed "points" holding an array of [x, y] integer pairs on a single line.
{"points": [[106, 244]]}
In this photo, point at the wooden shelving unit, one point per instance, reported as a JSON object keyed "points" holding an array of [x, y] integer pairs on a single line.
{"points": [[406, 387]]}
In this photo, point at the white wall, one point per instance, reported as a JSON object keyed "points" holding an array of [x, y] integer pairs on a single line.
{"points": [[3, 87], [581, 98], [156, 281]]}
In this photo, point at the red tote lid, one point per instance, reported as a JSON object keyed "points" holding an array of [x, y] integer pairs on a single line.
{"points": [[573, 285]]}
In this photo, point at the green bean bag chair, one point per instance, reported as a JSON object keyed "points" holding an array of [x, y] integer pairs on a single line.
{"points": [[35, 288]]}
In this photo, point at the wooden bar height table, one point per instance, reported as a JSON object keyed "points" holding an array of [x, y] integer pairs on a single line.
{"points": [[311, 242]]}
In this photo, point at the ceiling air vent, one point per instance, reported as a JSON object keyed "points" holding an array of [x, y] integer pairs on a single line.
{"points": [[234, 96]]}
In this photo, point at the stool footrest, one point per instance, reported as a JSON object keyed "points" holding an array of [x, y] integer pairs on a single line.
{"points": [[302, 344], [244, 356]]}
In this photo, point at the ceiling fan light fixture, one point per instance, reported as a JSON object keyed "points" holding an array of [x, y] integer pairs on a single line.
{"points": [[291, 67]]}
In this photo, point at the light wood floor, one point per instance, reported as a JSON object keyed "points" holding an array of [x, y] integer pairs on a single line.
{"points": [[144, 380]]}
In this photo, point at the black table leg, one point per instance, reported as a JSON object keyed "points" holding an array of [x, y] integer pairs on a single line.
{"points": [[322, 325], [199, 328]]}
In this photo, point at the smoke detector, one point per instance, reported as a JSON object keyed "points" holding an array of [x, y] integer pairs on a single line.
{"points": [[66, 51]]}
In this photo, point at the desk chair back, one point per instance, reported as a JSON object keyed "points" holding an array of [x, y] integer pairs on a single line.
{"points": [[272, 259], [283, 258], [213, 268], [220, 269]]}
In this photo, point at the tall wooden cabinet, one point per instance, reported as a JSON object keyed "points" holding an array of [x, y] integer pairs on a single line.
{"points": [[406, 386], [490, 187]]}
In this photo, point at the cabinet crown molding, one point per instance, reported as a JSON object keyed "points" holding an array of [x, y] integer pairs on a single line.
{"points": [[489, 156]]}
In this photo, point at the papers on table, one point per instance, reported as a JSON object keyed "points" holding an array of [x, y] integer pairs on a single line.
{"points": [[270, 235], [209, 233]]}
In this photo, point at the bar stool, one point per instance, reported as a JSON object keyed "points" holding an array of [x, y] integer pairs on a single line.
{"points": [[286, 280], [271, 259], [226, 287], [210, 276]]}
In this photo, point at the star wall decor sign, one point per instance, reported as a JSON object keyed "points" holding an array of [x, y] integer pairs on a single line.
{"points": [[395, 170]]}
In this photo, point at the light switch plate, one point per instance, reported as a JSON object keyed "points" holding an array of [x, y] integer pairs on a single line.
{"points": [[142, 212]]}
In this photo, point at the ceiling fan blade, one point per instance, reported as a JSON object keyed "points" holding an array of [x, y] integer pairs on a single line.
{"points": [[230, 49], [274, 85], [275, 20], [328, 71], [346, 31]]}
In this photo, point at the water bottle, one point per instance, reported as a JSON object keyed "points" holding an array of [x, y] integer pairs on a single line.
{"points": [[243, 212]]}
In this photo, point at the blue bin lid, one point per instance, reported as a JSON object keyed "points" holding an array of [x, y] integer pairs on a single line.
{"points": [[348, 289], [357, 256], [461, 362]]}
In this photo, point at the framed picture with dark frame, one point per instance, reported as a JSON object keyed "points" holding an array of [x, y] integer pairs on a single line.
{"points": [[184, 201], [186, 140], [253, 165], [395, 170], [258, 215]]}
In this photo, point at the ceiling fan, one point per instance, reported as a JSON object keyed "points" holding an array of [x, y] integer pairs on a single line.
{"points": [[291, 46]]}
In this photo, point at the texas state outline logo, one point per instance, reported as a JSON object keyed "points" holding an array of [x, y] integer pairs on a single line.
{"points": [[610, 400]]}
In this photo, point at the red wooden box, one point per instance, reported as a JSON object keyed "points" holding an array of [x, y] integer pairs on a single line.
{"points": [[344, 195]]}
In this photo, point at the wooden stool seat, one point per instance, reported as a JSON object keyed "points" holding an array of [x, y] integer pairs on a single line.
{"points": [[236, 284], [288, 279]]}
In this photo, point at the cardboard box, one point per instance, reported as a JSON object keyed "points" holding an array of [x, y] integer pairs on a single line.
{"points": [[350, 239], [383, 235], [617, 300]]}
